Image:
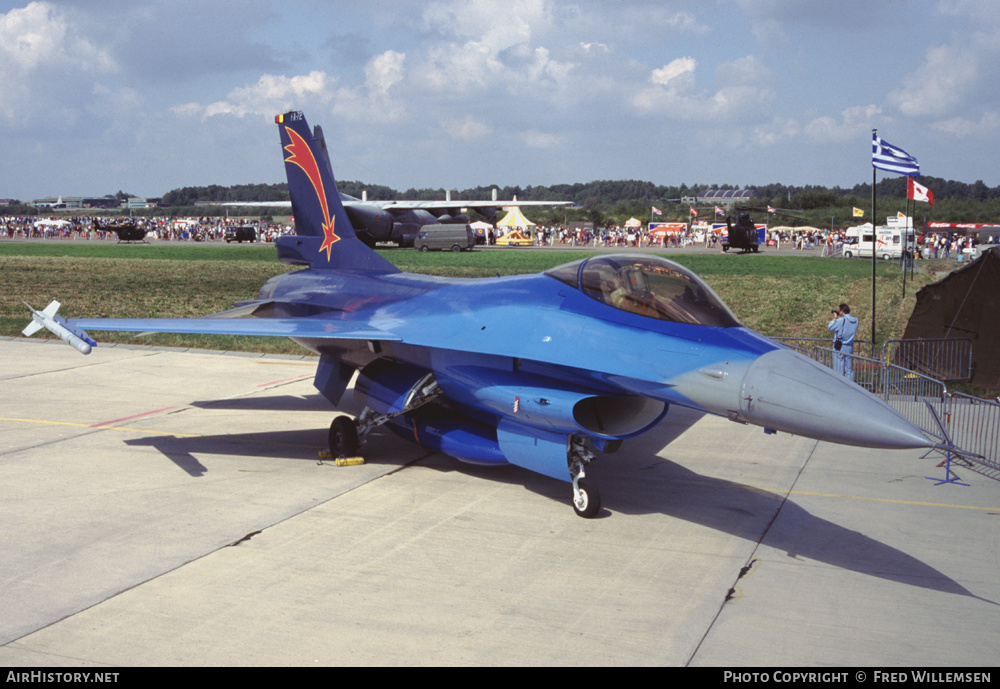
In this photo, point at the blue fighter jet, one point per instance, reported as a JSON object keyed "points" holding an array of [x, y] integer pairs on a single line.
{"points": [[540, 371]]}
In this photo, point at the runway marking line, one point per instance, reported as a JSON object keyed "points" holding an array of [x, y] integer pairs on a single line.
{"points": [[283, 380], [106, 427], [128, 418], [917, 503], [149, 432]]}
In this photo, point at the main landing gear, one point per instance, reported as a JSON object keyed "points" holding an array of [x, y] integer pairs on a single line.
{"points": [[344, 441], [347, 435]]}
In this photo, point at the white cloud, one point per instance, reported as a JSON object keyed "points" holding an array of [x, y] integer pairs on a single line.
{"points": [[272, 93], [680, 72], [376, 100], [536, 139], [673, 92], [988, 125], [943, 81], [745, 70], [384, 71], [774, 132], [46, 63], [467, 129], [853, 122], [38, 36], [494, 45]]}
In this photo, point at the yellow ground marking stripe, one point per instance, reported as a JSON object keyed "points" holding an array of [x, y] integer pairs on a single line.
{"points": [[919, 503], [765, 490], [311, 364], [104, 426], [145, 431]]}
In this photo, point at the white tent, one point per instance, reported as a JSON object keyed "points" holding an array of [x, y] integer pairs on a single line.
{"points": [[482, 229], [52, 222], [515, 218]]}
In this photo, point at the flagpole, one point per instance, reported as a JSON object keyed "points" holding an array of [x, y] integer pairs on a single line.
{"points": [[896, 160], [906, 236], [874, 131]]}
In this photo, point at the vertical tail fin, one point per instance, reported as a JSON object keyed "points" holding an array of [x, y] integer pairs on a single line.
{"points": [[326, 238]]}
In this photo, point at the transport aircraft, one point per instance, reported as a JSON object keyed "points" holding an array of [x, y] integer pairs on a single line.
{"points": [[400, 221], [542, 371]]}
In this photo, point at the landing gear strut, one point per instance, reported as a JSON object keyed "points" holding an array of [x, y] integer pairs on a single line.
{"points": [[586, 499], [348, 435]]}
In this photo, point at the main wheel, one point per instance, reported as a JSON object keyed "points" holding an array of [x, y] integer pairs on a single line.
{"points": [[343, 437], [587, 501]]}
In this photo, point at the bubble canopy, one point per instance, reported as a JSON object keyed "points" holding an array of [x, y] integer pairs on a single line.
{"points": [[647, 286]]}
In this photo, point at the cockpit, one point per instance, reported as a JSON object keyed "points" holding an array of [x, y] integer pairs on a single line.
{"points": [[647, 286]]}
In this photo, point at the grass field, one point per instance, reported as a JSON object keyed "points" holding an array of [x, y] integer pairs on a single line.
{"points": [[776, 295]]}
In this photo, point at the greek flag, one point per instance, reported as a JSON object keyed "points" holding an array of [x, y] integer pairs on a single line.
{"points": [[887, 157]]}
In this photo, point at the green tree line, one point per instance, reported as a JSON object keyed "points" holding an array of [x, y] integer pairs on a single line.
{"points": [[615, 201]]}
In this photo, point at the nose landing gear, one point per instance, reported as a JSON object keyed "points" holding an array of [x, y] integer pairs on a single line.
{"points": [[586, 498]]}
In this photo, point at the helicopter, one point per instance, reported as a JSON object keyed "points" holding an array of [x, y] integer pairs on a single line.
{"points": [[745, 234], [127, 232], [130, 232]]}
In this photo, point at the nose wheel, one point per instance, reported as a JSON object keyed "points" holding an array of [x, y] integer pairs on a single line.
{"points": [[586, 499]]}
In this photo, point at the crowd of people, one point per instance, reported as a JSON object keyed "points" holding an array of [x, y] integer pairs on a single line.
{"points": [[933, 245], [104, 228], [624, 237]]}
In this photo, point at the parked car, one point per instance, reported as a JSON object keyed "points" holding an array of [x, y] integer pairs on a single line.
{"points": [[241, 234]]}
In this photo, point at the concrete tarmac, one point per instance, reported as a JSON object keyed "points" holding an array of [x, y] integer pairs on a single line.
{"points": [[168, 508]]}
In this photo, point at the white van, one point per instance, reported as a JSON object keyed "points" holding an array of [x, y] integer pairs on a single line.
{"points": [[889, 242]]}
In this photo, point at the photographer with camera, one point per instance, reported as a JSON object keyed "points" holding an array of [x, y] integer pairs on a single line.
{"points": [[844, 327]]}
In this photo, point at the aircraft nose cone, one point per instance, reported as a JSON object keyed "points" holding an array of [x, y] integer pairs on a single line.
{"points": [[790, 392]]}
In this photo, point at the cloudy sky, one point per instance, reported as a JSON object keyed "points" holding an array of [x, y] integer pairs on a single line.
{"points": [[98, 96]]}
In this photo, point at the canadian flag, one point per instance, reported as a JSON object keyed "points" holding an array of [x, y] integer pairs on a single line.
{"points": [[918, 192]]}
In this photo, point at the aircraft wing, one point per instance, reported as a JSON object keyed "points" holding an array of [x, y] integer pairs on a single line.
{"points": [[413, 205], [266, 327], [444, 205]]}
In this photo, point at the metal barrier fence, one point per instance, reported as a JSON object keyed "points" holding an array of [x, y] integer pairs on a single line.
{"points": [[970, 423], [974, 426], [941, 358], [805, 344]]}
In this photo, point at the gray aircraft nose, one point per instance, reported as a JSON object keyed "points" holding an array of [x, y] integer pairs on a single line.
{"points": [[790, 392]]}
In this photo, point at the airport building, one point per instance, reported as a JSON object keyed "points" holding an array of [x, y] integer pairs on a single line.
{"points": [[723, 197], [101, 202]]}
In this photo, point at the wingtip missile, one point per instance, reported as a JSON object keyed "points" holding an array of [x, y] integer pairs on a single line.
{"points": [[58, 326]]}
